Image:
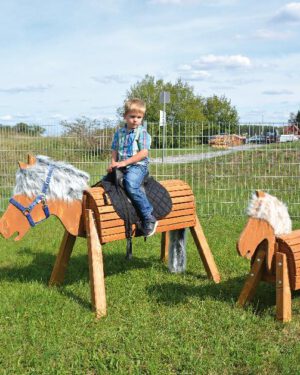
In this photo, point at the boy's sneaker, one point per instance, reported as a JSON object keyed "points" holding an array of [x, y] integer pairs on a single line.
{"points": [[149, 226]]}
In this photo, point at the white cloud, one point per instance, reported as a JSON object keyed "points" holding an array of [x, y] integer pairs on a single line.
{"points": [[58, 116], [114, 78], [223, 62], [191, 2], [273, 35], [187, 73], [290, 13], [171, 1], [27, 89], [277, 92], [6, 117]]}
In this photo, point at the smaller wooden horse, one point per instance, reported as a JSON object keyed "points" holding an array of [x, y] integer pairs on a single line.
{"points": [[274, 250], [45, 187]]}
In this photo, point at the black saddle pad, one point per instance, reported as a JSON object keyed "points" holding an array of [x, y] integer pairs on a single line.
{"points": [[158, 196]]}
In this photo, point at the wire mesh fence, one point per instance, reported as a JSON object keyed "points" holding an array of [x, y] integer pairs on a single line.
{"points": [[223, 163]]}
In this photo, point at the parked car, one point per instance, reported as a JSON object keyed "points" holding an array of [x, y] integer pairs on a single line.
{"points": [[288, 138], [272, 137], [257, 139]]}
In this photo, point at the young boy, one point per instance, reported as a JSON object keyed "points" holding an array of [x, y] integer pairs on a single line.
{"points": [[130, 147]]}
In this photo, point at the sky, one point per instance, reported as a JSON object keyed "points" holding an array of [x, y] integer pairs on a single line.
{"points": [[63, 59]]}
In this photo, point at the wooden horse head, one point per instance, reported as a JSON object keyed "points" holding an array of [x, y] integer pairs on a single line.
{"points": [[268, 218], [45, 187]]}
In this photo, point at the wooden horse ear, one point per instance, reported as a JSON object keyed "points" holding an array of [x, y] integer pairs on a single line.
{"points": [[22, 165], [259, 194], [31, 159]]}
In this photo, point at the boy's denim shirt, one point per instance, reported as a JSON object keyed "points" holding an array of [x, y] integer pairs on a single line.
{"points": [[128, 143]]}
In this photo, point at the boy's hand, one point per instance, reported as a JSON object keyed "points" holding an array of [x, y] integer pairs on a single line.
{"points": [[120, 164], [113, 165], [116, 164]]}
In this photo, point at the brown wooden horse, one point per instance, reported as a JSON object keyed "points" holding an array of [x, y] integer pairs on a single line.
{"points": [[274, 250], [44, 187]]}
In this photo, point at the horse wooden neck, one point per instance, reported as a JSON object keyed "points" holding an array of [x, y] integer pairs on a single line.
{"points": [[70, 215], [255, 232]]}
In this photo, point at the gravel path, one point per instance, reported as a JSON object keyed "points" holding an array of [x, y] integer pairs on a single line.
{"points": [[187, 158]]}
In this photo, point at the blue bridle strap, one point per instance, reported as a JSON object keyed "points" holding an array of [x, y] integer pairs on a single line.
{"points": [[41, 198]]}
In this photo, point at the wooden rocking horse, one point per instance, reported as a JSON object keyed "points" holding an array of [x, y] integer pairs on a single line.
{"points": [[45, 187], [274, 250]]}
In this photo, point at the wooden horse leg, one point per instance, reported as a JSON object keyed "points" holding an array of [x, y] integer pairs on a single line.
{"points": [[164, 252], [95, 266], [283, 289], [253, 278], [204, 252], [62, 259]]}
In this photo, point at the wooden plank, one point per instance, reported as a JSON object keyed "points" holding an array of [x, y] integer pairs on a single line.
{"points": [[106, 209], [163, 222], [165, 228], [95, 266], [180, 193], [283, 290], [182, 206], [108, 213], [189, 198], [292, 248], [293, 241], [112, 223], [175, 187], [166, 183], [62, 259], [164, 248], [159, 229], [291, 255], [119, 222], [292, 235], [205, 252], [253, 278]]}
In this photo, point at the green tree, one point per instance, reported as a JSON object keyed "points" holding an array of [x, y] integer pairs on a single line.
{"points": [[222, 116], [26, 129], [294, 118], [90, 135]]}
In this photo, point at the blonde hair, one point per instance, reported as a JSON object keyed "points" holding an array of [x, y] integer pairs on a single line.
{"points": [[134, 105]]}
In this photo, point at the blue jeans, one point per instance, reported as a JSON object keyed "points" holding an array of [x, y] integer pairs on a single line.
{"points": [[133, 178]]}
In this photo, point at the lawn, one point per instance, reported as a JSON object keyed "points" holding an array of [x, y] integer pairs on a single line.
{"points": [[157, 323]]}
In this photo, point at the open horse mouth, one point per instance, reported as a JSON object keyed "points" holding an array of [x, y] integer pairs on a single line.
{"points": [[5, 231]]}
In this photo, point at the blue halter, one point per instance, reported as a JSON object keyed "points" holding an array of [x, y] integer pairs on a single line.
{"points": [[41, 198]]}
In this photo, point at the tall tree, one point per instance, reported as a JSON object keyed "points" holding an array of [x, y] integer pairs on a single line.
{"points": [[24, 128], [294, 118], [221, 114]]}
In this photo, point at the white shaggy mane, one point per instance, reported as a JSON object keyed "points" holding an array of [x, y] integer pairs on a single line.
{"points": [[67, 182], [272, 210]]}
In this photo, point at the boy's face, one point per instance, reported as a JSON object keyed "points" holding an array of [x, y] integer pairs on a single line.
{"points": [[133, 119]]}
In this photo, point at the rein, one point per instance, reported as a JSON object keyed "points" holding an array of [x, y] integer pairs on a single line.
{"points": [[41, 198]]}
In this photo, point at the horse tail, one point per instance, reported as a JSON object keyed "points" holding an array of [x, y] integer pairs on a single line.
{"points": [[177, 250]]}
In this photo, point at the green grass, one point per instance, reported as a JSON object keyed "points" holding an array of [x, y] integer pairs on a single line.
{"points": [[157, 323]]}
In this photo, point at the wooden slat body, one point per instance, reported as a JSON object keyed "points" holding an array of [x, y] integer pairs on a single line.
{"points": [[111, 227], [289, 245]]}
